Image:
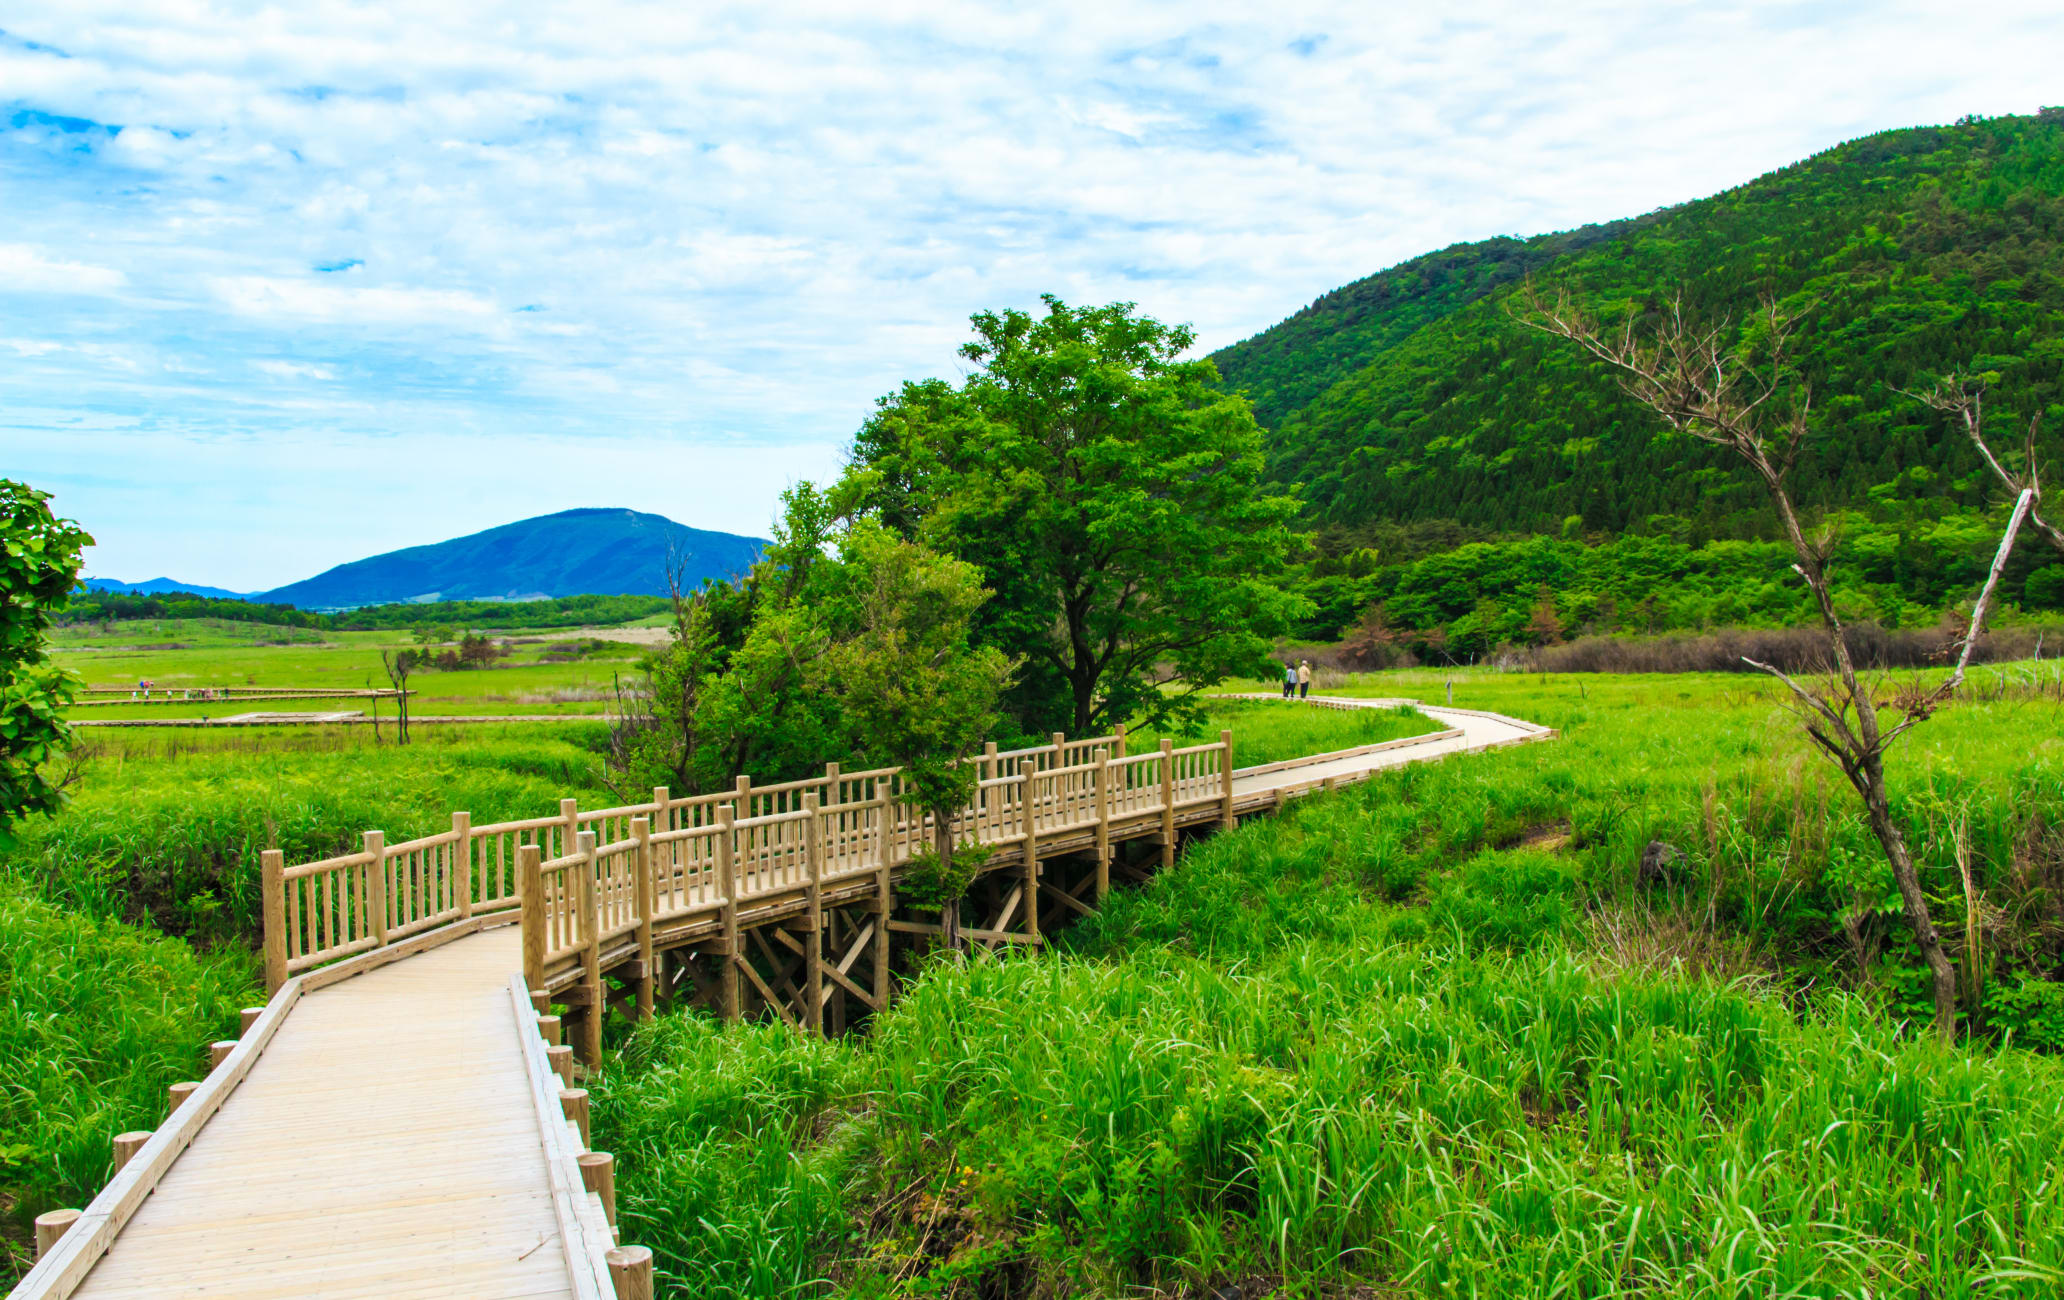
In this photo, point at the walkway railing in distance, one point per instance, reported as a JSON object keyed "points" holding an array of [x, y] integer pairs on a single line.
{"points": [[320, 912], [583, 910]]}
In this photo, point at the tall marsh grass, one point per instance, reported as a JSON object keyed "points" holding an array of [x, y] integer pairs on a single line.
{"points": [[1371, 1049]]}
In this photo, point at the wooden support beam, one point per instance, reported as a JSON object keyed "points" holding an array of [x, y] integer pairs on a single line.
{"points": [[1103, 824], [813, 958], [1167, 803], [727, 880], [885, 901], [1063, 896], [590, 931], [648, 902]]}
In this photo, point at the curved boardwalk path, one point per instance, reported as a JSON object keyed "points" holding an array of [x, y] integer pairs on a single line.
{"points": [[387, 1139]]}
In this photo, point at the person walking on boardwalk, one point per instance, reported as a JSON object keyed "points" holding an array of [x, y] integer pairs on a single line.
{"points": [[1303, 678], [1289, 679]]}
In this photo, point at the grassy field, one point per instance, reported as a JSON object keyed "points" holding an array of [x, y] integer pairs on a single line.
{"points": [[1429, 1036], [546, 672], [1435, 1036]]}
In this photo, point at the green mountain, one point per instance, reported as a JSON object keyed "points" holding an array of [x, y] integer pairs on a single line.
{"points": [[1413, 396], [571, 553]]}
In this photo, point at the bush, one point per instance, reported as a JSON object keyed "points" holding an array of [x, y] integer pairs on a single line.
{"points": [[2032, 1011], [1511, 900]]}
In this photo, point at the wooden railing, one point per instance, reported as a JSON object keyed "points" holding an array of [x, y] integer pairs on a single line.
{"points": [[321, 912]]}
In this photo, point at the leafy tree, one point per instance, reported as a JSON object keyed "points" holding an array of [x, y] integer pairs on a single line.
{"points": [[39, 564], [910, 688], [1111, 496]]}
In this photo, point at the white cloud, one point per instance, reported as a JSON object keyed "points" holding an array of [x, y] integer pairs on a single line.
{"points": [[680, 226], [294, 370], [26, 270]]}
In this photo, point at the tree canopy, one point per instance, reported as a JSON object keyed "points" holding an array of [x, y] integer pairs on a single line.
{"points": [[39, 563], [1112, 497]]}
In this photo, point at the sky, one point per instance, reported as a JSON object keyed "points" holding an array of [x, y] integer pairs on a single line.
{"points": [[283, 287]]}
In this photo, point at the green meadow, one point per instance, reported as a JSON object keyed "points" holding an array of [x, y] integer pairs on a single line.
{"points": [[1432, 1035], [1436, 1035], [545, 672]]}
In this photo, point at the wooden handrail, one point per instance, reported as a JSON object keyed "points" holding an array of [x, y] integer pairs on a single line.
{"points": [[320, 912]]}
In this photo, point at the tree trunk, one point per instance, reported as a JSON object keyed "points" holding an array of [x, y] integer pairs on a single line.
{"points": [[949, 909], [1909, 881]]}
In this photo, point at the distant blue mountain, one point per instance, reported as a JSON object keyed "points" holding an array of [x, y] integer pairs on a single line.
{"points": [[602, 552], [157, 586]]}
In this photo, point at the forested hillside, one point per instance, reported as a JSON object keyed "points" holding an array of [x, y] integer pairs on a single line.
{"points": [[1418, 413]]}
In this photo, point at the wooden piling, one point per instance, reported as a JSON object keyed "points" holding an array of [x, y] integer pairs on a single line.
{"points": [[218, 1052], [552, 1030], [813, 954], [573, 1103], [541, 1002], [50, 1226], [561, 1059], [1103, 826], [1029, 845], [590, 1046], [630, 1272], [176, 1095], [1031, 865], [126, 1145], [598, 1175], [1167, 803], [641, 831], [884, 901], [246, 1018], [727, 880], [530, 893], [272, 887]]}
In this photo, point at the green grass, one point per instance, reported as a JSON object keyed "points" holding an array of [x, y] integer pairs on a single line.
{"points": [[97, 1019], [214, 652], [1430, 1036], [168, 827]]}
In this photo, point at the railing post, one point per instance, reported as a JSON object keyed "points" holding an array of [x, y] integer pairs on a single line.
{"points": [[831, 780], [884, 903], [641, 831], [569, 817], [662, 801], [1032, 854], [375, 895], [1225, 781], [591, 952], [630, 1272], [1060, 748], [462, 861], [530, 894], [273, 885], [1028, 810], [1120, 731], [1103, 827], [813, 956], [744, 798], [727, 880], [1167, 802], [988, 760]]}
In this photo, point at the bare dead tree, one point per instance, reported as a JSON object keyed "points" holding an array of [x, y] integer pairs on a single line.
{"points": [[1749, 398], [1962, 395], [399, 666]]}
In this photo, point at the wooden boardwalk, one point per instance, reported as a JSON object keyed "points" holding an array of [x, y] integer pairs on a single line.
{"points": [[384, 1145], [391, 1125]]}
